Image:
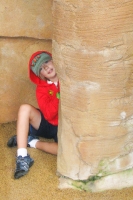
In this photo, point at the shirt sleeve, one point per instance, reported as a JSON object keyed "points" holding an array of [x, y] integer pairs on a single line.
{"points": [[48, 102]]}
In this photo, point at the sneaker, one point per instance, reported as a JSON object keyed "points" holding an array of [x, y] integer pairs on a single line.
{"points": [[22, 166], [12, 142]]}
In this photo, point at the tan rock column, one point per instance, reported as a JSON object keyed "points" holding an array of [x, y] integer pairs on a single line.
{"points": [[93, 52]]}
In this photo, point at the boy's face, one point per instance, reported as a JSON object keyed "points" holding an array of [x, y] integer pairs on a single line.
{"points": [[47, 70]]}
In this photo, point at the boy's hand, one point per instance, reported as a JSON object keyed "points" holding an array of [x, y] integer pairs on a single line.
{"points": [[58, 95]]}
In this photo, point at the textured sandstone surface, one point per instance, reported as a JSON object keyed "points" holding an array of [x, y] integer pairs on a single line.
{"points": [[16, 87], [25, 27], [26, 18], [93, 54]]}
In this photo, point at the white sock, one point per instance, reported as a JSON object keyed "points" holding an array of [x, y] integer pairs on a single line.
{"points": [[33, 142], [22, 152]]}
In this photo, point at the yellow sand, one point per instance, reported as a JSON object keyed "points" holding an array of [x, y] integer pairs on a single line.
{"points": [[41, 183]]}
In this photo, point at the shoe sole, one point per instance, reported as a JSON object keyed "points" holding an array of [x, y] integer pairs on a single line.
{"points": [[10, 142], [21, 173]]}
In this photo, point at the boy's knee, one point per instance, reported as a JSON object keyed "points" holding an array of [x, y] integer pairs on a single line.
{"points": [[25, 108]]}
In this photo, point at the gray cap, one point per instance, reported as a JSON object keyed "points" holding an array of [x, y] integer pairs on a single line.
{"points": [[38, 61]]}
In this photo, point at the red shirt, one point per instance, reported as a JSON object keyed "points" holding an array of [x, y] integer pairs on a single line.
{"points": [[48, 100], [47, 94]]}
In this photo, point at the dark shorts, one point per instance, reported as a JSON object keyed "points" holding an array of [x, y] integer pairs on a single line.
{"points": [[46, 130]]}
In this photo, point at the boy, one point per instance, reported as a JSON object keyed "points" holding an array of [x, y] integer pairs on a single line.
{"points": [[43, 121]]}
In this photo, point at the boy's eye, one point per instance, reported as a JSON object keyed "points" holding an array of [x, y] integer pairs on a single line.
{"points": [[46, 62]]}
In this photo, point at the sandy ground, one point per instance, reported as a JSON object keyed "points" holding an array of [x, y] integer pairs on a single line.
{"points": [[41, 183]]}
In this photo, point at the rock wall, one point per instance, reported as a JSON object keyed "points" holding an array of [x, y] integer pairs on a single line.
{"points": [[25, 27], [93, 52]]}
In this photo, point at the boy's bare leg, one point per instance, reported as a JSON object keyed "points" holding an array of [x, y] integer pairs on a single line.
{"points": [[27, 114], [49, 147]]}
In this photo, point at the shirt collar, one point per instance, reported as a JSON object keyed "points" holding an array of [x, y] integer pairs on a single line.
{"points": [[50, 82]]}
